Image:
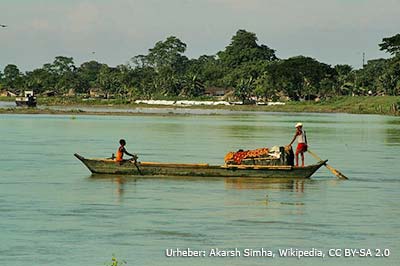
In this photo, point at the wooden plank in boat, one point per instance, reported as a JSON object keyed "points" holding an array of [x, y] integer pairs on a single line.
{"points": [[249, 167], [188, 165]]}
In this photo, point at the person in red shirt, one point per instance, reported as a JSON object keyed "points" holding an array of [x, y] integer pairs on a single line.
{"points": [[121, 151], [301, 137]]}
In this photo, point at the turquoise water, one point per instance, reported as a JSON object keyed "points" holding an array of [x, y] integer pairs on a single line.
{"points": [[54, 213]]}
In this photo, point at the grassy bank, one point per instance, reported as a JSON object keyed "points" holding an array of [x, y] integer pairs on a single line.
{"points": [[7, 99], [384, 105]]}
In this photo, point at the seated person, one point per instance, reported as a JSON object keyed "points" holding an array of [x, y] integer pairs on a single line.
{"points": [[121, 151]]}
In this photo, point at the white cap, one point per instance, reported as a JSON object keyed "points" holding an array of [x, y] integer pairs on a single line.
{"points": [[298, 125]]}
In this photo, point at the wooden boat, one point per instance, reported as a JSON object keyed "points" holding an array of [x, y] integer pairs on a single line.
{"points": [[28, 100], [109, 166]]}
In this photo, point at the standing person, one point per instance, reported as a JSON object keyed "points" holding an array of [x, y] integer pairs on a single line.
{"points": [[301, 137], [121, 150]]}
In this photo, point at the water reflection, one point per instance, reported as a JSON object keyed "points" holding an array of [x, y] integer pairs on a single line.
{"points": [[391, 131], [131, 178], [393, 122], [284, 184], [295, 185], [120, 182], [392, 136]]}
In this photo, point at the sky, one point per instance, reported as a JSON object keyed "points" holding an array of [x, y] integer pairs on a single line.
{"points": [[113, 31]]}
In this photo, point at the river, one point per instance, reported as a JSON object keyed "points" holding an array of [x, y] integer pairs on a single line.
{"points": [[53, 212]]}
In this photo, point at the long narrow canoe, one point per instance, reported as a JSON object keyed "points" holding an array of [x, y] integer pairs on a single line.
{"points": [[109, 166]]}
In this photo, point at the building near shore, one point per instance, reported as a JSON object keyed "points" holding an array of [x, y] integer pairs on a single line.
{"points": [[216, 91], [97, 93], [7, 93]]}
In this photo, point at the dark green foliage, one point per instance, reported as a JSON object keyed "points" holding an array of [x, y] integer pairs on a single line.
{"points": [[244, 89], [38, 80], [391, 44], [244, 49], [300, 77], [192, 86], [12, 77], [389, 81], [168, 54], [208, 69], [367, 78], [251, 69], [109, 79], [88, 74]]}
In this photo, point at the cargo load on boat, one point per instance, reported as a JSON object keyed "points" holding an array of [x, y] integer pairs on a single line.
{"points": [[277, 155]]}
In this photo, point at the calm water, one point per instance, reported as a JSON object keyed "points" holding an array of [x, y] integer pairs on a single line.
{"points": [[52, 212]]}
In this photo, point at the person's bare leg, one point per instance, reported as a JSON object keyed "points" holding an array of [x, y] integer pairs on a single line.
{"points": [[297, 159], [302, 159]]}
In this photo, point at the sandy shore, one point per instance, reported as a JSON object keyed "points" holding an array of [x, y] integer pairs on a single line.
{"points": [[352, 105]]}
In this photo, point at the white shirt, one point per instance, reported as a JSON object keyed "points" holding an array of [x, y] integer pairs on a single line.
{"points": [[302, 137]]}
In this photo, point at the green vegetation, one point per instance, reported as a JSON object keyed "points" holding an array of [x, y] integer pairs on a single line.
{"points": [[249, 69], [7, 99], [116, 262], [386, 105]]}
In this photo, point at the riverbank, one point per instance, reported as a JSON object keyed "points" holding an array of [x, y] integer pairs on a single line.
{"points": [[382, 105]]}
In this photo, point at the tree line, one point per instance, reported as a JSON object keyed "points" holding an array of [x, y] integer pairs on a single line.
{"points": [[248, 68]]}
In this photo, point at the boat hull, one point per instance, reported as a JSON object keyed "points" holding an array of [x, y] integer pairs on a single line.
{"points": [[108, 166], [22, 103]]}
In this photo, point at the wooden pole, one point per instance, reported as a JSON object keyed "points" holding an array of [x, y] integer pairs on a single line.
{"points": [[333, 170]]}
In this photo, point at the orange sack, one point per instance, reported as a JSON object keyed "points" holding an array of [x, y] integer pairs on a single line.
{"points": [[240, 155], [229, 156]]}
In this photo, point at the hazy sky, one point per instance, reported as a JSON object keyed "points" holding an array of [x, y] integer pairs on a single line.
{"points": [[332, 31]]}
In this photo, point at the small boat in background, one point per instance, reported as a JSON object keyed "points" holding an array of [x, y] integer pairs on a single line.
{"points": [[155, 169], [29, 99]]}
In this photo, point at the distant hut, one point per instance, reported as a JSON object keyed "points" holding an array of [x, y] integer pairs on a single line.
{"points": [[49, 93], [7, 93], [230, 96], [216, 91], [71, 93], [97, 93]]}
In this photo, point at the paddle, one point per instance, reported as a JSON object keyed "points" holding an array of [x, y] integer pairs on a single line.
{"points": [[333, 170], [134, 158]]}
